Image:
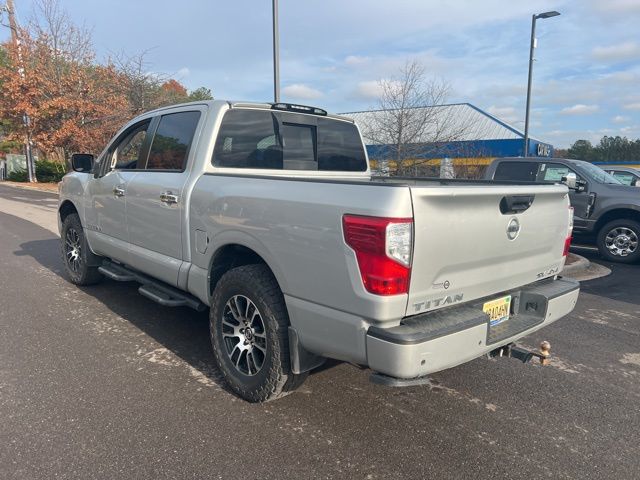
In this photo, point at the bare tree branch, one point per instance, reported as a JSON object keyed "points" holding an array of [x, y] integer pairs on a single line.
{"points": [[67, 41], [141, 84], [404, 125]]}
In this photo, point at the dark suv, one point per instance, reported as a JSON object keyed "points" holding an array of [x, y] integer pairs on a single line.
{"points": [[606, 212]]}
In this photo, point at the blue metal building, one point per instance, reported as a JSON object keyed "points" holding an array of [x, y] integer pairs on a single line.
{"points": [[463, 131]]}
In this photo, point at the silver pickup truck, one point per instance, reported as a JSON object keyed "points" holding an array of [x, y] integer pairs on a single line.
{"points": [[267, 215]]}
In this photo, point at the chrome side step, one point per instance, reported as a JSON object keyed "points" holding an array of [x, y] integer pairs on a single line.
{"points": [[152, 289]]}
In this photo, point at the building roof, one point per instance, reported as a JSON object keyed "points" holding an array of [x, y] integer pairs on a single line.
{"points": [[456, 121]]}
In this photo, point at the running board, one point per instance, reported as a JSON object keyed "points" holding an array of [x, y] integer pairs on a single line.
{"points": [[116, 272], [152, 289]]}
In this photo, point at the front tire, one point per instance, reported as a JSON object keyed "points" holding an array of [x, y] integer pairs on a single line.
{"points": [[249, 334], [79, 261], [618, 241]]}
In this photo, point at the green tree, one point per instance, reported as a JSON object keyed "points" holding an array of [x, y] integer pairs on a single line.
{"points": [[617, 149], [201, 93], [581, 150]]}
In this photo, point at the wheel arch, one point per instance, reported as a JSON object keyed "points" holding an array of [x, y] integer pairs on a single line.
{"points": [[66, 208], [616, 214], [232, 255]]}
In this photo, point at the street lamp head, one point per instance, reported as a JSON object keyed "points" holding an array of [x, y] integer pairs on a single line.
{"points": [[550, 14]]}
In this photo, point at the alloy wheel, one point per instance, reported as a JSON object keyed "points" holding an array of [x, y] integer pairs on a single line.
{"points": [[73, 249], [244, 335]]}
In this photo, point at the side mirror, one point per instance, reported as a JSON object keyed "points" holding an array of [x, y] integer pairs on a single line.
{"points": [[570, 180], [82, 162]]}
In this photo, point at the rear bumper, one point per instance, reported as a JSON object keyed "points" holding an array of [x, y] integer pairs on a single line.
{"points": [[438, 340]]}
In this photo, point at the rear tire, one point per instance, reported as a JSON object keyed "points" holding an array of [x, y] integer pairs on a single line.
{"points": [[79, 261], [618, 241], [249, 334]]}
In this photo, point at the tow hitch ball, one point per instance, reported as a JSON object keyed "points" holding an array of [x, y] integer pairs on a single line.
{"points": [[522, 354]]}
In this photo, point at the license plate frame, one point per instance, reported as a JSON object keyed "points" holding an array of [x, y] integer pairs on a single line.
{"points": [[498, 309]]}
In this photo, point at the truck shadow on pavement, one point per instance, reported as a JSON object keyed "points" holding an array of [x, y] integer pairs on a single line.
{"points": [[181, 331]]}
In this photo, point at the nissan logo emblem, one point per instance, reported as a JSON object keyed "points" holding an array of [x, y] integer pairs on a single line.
{"points": [[513, 229]]}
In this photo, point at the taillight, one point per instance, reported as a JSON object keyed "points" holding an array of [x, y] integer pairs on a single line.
{"points": [[567, 241], [383, 250]]}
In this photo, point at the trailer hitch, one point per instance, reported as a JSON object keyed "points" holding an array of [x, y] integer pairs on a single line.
{"points": [[511, 350]]}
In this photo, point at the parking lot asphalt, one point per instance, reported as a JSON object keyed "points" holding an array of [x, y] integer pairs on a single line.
{"points": [[99, 382]]}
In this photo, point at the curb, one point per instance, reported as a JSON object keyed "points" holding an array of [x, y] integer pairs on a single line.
{"points": [[578, 266], [29, 186]]}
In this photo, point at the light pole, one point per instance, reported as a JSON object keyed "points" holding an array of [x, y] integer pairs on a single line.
{"points": [[276, 54], [535, 17]]}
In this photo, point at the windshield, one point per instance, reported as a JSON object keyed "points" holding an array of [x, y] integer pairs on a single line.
{"points": [[597, 174]]}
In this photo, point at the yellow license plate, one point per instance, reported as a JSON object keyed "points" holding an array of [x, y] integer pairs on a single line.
{"points": [[498, 310]]}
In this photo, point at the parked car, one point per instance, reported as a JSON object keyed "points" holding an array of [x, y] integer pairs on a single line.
{"points": [[625, 175], [267, 215], [606, 212]]}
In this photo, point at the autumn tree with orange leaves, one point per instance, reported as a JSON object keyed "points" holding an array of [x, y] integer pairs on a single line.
{"points": [[74, 103]]}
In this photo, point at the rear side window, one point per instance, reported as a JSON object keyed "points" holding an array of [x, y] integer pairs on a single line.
{"points": [[283, 141], [516, 171], [172, 140]]}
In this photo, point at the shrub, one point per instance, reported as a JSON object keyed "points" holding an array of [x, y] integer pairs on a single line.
{"points": [[47, 171], [18, 176]]}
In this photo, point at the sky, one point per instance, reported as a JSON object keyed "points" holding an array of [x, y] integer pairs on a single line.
{"points": [[333, 53]]}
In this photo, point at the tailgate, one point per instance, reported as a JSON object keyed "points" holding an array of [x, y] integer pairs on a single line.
{"points": [[462, 246]]}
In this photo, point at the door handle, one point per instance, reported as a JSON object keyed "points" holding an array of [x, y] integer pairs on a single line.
{"points": [[118, 191], [168, 198]]}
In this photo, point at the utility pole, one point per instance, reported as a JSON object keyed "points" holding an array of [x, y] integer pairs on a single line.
{"points": [[13, 26], [276, 54]]}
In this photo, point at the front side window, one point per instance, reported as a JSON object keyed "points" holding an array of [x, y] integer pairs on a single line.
{"points": [[128, 150], [172, 140], [283, 141]]}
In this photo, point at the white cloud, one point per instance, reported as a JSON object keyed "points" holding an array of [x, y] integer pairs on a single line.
{"points": [[183, 72], [302, 91], [620, 119], [579, 109], [355, 60], [617, 6], [621, 51], [631, 131], [506, 114], [369, 89], [632, 106]]}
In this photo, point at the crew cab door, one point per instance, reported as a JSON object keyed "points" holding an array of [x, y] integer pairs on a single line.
{"points": [[105, 211], [156, 205]]}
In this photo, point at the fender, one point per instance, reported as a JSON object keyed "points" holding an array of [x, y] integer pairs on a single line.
{"points": [[237, 237]]}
